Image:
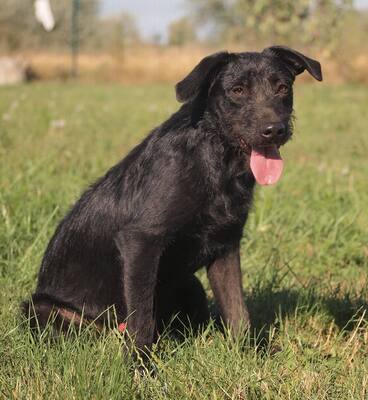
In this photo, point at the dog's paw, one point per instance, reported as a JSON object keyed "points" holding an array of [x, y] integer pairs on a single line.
{"points": [[142, 373]]}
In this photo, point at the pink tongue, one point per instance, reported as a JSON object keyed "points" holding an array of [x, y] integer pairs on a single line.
{"points": [[266, 165]]}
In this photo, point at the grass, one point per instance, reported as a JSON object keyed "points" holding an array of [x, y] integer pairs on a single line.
{"points": [[304, 252]]}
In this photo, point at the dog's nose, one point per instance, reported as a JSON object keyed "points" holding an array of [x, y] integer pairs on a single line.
{"points": [[273, 131]]}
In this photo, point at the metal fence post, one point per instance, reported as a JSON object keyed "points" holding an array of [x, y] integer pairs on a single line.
{"points": [[75, 38]]}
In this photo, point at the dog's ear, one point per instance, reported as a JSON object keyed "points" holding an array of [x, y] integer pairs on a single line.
{"points": [[296, 61], [191, 85]]}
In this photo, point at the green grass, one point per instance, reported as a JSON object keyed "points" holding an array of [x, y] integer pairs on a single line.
{"points": [[304, 252]]}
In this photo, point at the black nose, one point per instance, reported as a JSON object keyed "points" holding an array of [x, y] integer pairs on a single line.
{"points": [[273, 131]]}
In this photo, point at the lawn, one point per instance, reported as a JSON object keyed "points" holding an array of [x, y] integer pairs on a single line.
{"points": [[304, 252]]}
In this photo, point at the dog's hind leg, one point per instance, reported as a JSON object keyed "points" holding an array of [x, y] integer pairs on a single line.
{"points": [[182, 305], [42, 312]]}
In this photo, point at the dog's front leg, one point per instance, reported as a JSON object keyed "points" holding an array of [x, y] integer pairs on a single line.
{"points": [[226, 282], [140, 258]]}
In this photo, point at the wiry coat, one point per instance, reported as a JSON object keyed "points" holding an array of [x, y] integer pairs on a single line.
{"points": [[177, 202]]}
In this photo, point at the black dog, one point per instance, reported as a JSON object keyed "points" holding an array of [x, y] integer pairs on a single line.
{"points": [[177, 202]]}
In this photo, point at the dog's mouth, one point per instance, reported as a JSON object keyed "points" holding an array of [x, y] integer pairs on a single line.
{"points": [[265, 162]]}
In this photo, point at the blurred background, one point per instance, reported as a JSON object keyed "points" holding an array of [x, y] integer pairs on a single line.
{"points": [[136, 41]]}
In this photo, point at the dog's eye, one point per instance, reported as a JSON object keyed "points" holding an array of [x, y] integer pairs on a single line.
{"points": [[237, 90], [282, 89]]}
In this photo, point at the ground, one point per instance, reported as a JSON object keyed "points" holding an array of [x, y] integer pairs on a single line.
{"points": [[304, 252]]}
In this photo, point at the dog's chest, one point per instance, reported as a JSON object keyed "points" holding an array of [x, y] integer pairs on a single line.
{"points": [[214, 230], [221, 223], [230, 193]]}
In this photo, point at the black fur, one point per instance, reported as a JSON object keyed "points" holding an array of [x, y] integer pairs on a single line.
{"points": [[175, 203]]}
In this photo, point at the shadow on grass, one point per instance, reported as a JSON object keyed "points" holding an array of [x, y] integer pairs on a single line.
{"points": [[268, 304]]}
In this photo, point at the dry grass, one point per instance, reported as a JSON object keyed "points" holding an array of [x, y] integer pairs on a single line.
{"points": [[147, 64], [138, 65]]}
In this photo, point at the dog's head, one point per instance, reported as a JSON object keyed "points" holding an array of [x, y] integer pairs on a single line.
{"points": [[251, 96]]}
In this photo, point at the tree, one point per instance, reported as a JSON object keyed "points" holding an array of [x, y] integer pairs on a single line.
{"points": [[181, 32], [270, 21], [15, 22], [117, 32], [20, 30]]}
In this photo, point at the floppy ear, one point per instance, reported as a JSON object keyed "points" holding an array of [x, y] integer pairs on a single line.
{"points": [[296, 61], [190, 86]]}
